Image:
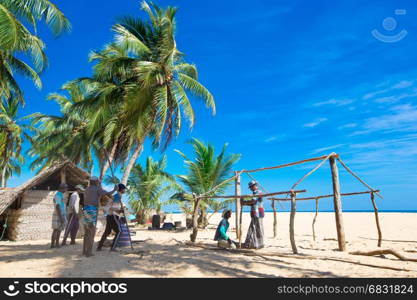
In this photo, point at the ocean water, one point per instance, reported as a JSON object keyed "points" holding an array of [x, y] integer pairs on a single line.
{"points": [[312, 211]]}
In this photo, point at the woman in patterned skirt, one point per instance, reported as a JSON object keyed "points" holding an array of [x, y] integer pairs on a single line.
{"points": [[255, 236]]}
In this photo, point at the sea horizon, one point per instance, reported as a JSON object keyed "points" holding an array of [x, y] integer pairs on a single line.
{"points": [[321, 211]]}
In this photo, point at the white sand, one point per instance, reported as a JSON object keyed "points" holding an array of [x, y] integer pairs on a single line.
{"points": [[163, 254]]}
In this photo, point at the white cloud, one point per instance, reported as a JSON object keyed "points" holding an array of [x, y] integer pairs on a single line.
{"points": [[325, 149], [395, 98], [274, 138], [373, 94], [386, 152], [401, 118], [336, 102], [384, 161], [400, 85], [348, 125], [270, 139], [403, 84], [315, 123]]}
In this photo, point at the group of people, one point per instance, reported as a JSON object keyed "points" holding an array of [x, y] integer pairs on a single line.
{"points": [[66, 217], [255, 235]]}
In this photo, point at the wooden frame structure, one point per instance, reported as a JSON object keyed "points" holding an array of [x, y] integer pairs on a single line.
{"points": [[292, 193]]}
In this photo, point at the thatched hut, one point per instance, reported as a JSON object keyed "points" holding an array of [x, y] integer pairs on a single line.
{"points": [[28, 209]]}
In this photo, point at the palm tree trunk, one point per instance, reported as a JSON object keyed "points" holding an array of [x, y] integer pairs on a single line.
{"points": [[92, 170], [108, 161], [131, 163], [202, 219], [3, 177]]}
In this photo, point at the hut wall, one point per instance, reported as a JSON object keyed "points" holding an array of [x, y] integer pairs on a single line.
{"points": [[33, 220]]}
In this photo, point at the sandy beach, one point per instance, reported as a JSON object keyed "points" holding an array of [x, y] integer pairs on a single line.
{"points": [[166, 254]]}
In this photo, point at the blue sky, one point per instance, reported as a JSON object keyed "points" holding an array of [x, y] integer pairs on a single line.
{"points": [[291, 79]]}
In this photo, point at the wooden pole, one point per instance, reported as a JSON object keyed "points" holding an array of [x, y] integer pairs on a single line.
{"points": [[383, 252], [196, 201], [315, 218], [63, 176], [337, 205], [292, 217], [237, 204], [378, 227], [240, 225], [275, 218]]}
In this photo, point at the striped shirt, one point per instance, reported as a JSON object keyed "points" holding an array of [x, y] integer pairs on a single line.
{"points": [[257, 209]]}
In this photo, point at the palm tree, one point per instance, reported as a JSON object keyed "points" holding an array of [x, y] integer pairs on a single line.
{"points": [[147, 185], [13, 132], [206, 174], [144, 74], [64, 137], [9, 65], [16, 37]]}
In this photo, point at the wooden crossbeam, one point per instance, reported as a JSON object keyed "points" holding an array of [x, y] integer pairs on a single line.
{"points": [[324, 196], [251, 196]]}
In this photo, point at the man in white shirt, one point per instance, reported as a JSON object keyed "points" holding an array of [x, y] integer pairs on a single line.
{"points": [[113, 217], [73, 213]]}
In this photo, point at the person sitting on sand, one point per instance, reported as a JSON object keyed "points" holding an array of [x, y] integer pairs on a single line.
{"points": [[113, 219], [255, 236], [223, 241], [73, 210], [92, 195], [59, 217]]}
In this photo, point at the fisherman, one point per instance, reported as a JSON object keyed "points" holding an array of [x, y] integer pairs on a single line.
{"points": [[59, 217], [92, 196], [73, 212], [223, 241], [114, 218], [255, 236]]}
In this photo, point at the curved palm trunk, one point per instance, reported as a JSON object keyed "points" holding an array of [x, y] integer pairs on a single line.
{"points": [[131, 163], [3, 177], [108, 161], [202, 219], [92, 170], [5, 160]]}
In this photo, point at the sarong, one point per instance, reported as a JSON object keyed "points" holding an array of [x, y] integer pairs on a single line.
{"points": [[72, 227], [90, 215], [56, 221], [255, 236], [124, 238]]}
